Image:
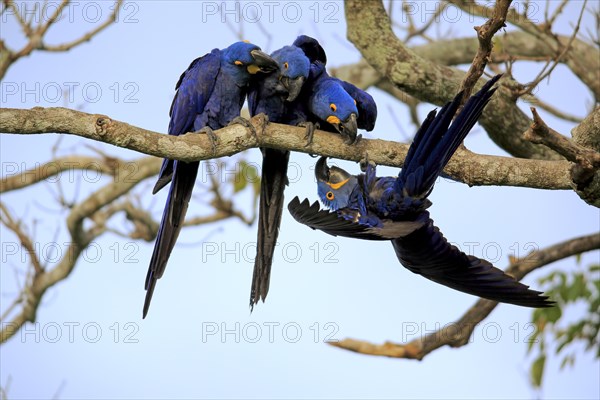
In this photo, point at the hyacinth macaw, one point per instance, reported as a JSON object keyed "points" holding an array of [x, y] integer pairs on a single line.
{"points": [[330, 103], [299, 93], [395, 209], [210, 95], [274, 96]]}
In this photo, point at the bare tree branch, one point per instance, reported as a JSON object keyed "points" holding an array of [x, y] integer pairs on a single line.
{"points": [[540, 133], [585, 171], [581, 58], [16, 227], [370, 30], [87, 36], [485, 33], [35, 35], [80, 239], [467, 167], [457, 334], [19, 180]]}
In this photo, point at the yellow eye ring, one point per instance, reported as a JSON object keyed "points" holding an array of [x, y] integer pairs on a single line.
{"points": [[333, 107], [238, 62], [330, 196], [285, 65]]}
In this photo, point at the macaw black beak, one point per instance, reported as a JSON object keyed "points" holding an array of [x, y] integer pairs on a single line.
{"points": [[293, 86], [262, 62], [334, 176], [349, 129], [322, 170]]}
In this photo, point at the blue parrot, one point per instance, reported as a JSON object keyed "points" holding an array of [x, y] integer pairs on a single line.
{"points": [[275, 96], [288, 96], [210, 95], [338, 106], [395, 209]]}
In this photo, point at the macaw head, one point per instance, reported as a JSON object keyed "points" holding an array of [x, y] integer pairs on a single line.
{"points": [[294, 67], [333, 104], [334, 185], [243, 59]]}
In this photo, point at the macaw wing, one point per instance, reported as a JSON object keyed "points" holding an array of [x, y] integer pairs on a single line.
{"points": [[426, 252], [194, 88], [367, 109], [438, 138], [334, 224]]}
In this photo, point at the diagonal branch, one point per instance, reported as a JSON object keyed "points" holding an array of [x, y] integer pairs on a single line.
{"points": [[80, 239], [369, 29], [457, 334], [485, 33], [16, 227], [585, 171], [16, 179], [87, 36], [35, 34]]}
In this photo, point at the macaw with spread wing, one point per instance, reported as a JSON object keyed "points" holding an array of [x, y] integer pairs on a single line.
{"points": [[210, 95], [395, 209]]}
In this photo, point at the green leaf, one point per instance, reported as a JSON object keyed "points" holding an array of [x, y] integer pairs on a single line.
{"points": [[245, 174], [578, 289], [568, 360], [239, 179], [537, 370], [553, 314]]}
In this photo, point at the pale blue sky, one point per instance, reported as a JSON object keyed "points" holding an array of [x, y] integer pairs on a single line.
{"points": [[199, 340]]}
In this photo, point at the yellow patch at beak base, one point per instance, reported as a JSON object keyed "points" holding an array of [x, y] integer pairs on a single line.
{"points": [[253, 68], [332, 119], [336, 186]]}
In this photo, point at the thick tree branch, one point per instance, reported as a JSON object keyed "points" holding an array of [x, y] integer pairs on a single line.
{"points": [[457, 334], [467, 167], [585, 171], [508, 46], [370, 30], [587, 133], [541, 133]]}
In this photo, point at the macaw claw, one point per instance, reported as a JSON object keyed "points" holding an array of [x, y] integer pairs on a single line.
{"points": [[310, 131], [244, 122], [365, 162], [214, 139]]}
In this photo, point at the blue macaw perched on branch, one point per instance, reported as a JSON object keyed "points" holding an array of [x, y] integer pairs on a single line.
{"points": [[368, 207], [210, 95], [330, 103], [289, 96], [274, 96]]}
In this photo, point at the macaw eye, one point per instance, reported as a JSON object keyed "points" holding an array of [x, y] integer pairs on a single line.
{"points": [[285, 65], [238, 62], [330, 196], [333, 107]]}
